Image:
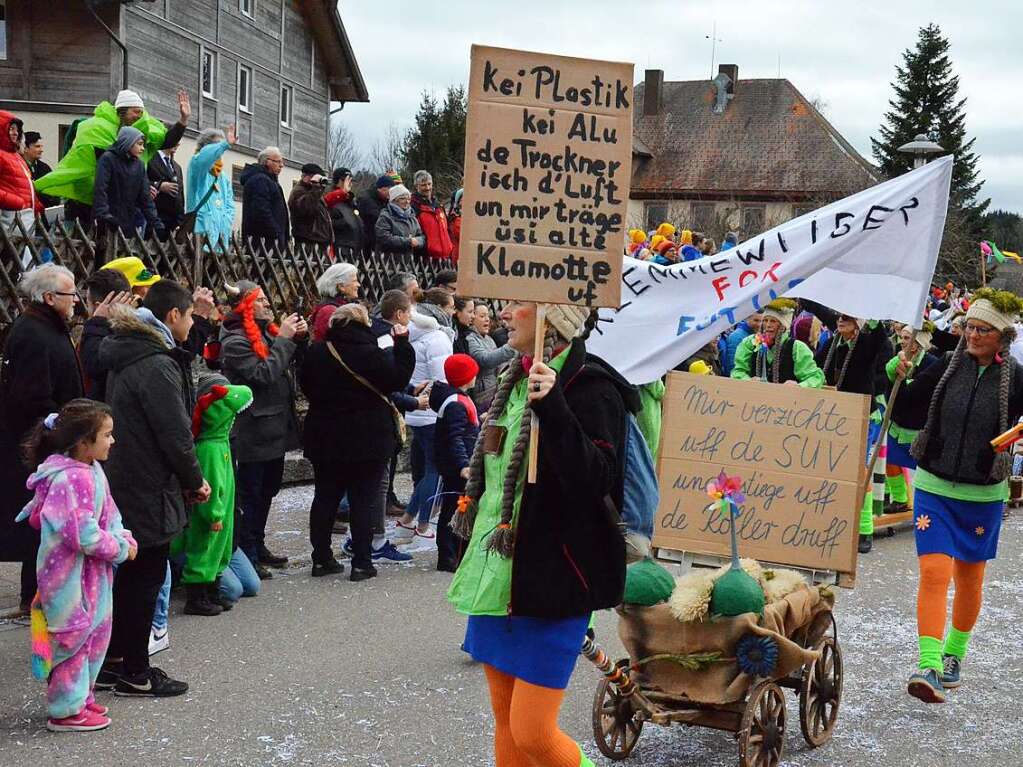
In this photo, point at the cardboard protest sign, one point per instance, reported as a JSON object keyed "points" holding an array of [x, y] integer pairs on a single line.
{"points": [[548, 158], [800, 453], [870, 255]]}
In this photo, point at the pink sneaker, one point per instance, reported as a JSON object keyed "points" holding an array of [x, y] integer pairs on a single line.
{"points": [[84, 721], [96, 708]]}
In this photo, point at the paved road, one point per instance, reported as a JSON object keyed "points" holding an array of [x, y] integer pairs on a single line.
{"points": [[326, 672]]}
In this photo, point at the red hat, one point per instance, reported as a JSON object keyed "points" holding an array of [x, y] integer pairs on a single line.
{"points": [[459, 369]]}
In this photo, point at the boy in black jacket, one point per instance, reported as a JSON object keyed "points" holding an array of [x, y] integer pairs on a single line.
{"points": [[458, 426]]}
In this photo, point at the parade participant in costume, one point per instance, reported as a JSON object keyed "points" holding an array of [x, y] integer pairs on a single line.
{"points": [[208, 541], [915, 345], [257, 353], [772, 355], [75, 174], [959, 404], [542, 557], [82, 538], [853, 361]]}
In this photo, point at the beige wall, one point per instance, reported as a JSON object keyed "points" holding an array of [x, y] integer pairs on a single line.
{"points": [[48, 125]]}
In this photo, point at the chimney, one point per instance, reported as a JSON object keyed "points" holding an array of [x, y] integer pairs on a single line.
{"points": [[732, 70], [653, 91]]}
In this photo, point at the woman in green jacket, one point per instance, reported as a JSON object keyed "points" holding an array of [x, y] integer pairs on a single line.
{"points": [[773, 355], [542, 557]]}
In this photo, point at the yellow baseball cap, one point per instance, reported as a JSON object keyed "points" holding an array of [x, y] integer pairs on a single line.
{"points": [[134, 270]]}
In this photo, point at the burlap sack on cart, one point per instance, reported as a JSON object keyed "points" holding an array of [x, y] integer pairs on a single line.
{"points": [[651, 631]]}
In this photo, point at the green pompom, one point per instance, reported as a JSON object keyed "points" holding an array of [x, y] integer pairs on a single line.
{"points": [[736, 593], [647, 583]]}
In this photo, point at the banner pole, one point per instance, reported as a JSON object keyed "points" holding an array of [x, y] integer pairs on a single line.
{"points": [[983, 270], [534, 419]]}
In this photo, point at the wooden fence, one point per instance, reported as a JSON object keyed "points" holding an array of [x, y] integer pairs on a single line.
{"points": [[288, 277]]}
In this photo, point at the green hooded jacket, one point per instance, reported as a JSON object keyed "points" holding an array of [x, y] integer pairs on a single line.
{"points": [[75, 174]]}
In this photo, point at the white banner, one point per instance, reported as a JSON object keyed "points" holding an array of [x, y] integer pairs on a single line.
{"points": [[871, 255]]}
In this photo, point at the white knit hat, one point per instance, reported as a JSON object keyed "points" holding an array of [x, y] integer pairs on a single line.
{"points": [[781, 309], [567, 319], [985, 311], [396, 191], [128, 99]]}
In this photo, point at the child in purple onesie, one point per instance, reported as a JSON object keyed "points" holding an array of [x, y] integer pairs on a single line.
{"points": [[81, 539]]}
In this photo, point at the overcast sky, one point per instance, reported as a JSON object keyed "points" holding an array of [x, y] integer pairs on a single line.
{"points": [[845, 53]]}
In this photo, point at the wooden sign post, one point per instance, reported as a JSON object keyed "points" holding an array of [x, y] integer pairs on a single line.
{"points": [[548, 159], [799, 451]]}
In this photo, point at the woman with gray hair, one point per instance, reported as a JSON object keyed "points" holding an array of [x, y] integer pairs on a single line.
{"points": [[40, 374], [338, 286], [210, 193]]}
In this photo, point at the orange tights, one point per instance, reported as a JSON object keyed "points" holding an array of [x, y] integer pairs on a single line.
{"points": [[526, 716], [937, 571]]}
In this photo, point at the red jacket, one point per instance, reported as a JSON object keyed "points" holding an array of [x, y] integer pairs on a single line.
{"points": [[16, 190], [434, 223]]}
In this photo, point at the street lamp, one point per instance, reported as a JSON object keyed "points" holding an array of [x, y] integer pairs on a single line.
{"points": [[920, 147]]}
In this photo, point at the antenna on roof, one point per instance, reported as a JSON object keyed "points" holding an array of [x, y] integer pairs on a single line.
{"points": [[713, 37], [779, 65]]}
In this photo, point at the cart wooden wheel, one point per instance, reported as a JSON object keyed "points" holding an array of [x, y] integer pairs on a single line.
{"points": [[762, 735], [821, 693], [615, 727]]}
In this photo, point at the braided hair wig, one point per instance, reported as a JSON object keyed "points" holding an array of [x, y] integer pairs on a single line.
{"points": [[502, 540], [829, 359]]}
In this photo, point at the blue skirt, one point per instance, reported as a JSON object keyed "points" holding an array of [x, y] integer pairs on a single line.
{"points": [[965, 530], [898, 454], [537, 650]]}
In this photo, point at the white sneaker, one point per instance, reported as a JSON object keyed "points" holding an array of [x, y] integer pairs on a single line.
{"points": [[401, 534], [158, 641]]}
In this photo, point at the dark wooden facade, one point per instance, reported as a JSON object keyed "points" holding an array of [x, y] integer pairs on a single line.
{"points": [[59, 56]]}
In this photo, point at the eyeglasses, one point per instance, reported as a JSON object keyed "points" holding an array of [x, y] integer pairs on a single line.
{"points": [[978, 330], [59, 293]]}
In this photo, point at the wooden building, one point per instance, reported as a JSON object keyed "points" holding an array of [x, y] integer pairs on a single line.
{"points": [[272, 67], [730, 154]]}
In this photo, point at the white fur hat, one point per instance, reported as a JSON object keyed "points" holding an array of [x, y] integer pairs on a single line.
{"points": [[128, 99]]}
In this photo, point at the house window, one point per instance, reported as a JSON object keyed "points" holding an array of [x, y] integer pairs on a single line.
{"points": [[3, 30], [656, 213], [245, 89], [236, 183], [209, 74], [287, 102], [248, 8], [752, 220], [62, 131], [701, 216]]}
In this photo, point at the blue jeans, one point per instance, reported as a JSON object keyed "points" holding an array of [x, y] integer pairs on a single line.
{"points": [[424, 472], [162, 603], [239, 579]]}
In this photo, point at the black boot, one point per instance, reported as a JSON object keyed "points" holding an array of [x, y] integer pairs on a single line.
{"points": [[198, 601], [217, 598], [866, 543]]}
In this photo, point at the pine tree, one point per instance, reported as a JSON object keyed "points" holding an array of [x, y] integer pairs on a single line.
{"points": [[436, 142], [927, 101]]}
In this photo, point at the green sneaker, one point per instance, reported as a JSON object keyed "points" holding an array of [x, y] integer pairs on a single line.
{"points": [[926, 685], [950, 673]]}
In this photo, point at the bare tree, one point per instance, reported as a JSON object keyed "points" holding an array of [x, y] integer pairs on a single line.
{"points": [[388, 152], [342, 151]]}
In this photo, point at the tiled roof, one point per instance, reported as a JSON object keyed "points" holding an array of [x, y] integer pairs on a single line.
{"points": [[769, 143]]}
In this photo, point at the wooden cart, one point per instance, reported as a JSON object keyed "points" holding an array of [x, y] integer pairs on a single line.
{"points": [[621, 706]]}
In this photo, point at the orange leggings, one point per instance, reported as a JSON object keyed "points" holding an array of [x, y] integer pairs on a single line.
{"points": [[936, 572], [526, 715]]}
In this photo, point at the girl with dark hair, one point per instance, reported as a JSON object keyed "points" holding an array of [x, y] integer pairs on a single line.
{"points": [[542, 557], [959, 404], [81, 539], [465, 311]]}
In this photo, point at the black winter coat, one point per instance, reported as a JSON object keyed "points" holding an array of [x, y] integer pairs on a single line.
{"points": [[149, 388], [370, 205], [569, 551], [455, 433], [346, 221], [264, 209], [40, 374], [268, 428], [121, 192], [346, 421], [863, 375]]}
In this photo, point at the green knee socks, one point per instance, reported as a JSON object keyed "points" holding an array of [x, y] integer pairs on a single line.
{"points": [[867, 515], [956, 643], [932, 649], [897, 489], [584, 761]]}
